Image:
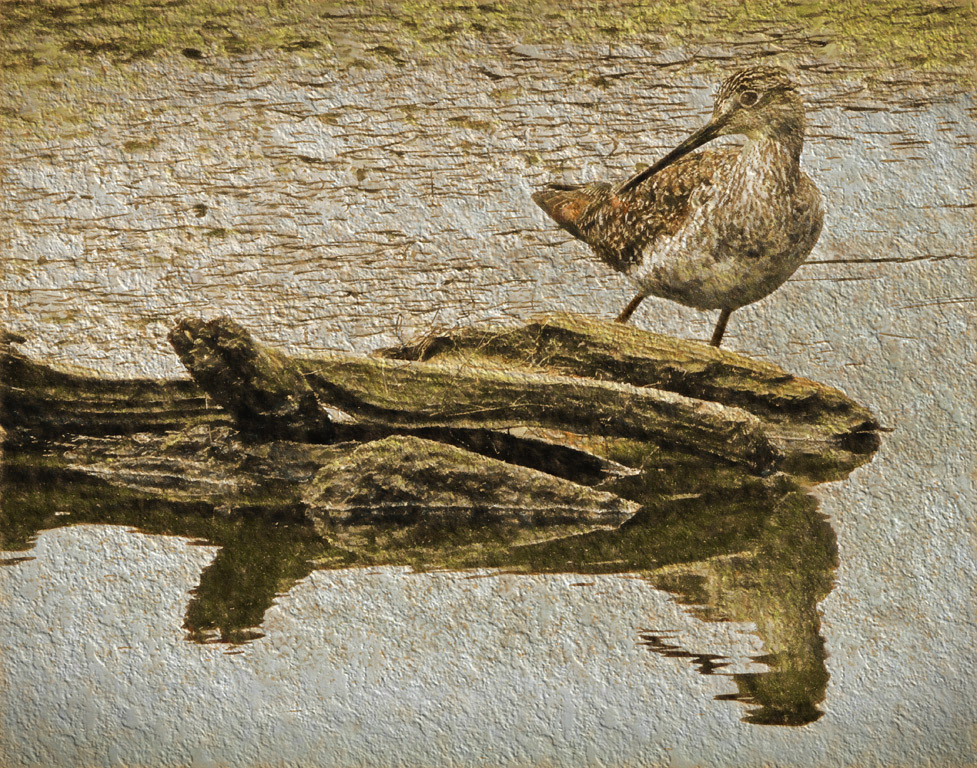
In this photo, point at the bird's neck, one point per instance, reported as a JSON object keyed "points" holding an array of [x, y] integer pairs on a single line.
{"points": [[784, 136], [766, 173], [771, 158]]}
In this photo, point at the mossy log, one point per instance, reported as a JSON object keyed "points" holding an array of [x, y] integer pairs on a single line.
{"points": [[598, 405], [410, 394], [575, 376], [39, 402], [816, 428]]}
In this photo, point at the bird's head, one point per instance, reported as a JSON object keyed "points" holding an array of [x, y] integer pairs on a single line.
{"points": [[757, 102]]}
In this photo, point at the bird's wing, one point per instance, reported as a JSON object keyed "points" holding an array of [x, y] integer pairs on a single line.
{"points": [[666, 199], [620, 227]]}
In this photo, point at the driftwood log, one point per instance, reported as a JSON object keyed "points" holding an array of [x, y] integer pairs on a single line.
{"points": [[262, 386], [564, 374], [560, 425]]}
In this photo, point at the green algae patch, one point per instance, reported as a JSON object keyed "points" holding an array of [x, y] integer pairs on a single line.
{"points": [[54, 35], [56, 54], [140, 145], [129, 30]]}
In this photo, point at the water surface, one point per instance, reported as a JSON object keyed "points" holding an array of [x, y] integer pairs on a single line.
{"points": [[348, 209]]}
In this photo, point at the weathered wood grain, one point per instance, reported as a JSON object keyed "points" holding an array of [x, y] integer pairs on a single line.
{"points": [[39, 401], [411, 394], [813, 425]]}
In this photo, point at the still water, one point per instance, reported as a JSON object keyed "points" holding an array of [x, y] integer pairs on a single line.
{"points": [[348, 209]]}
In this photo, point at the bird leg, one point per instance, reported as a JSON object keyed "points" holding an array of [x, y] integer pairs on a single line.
{"points": [[629, 309], [717, 335]]}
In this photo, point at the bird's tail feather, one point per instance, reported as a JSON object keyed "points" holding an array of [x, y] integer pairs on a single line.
{"points": [[566, 204]]}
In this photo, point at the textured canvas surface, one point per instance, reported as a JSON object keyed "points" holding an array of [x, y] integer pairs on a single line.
{"points": [[338, 178]]}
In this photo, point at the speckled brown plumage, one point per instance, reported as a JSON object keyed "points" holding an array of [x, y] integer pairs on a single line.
{"points": [[619, 226], [714, 229]]}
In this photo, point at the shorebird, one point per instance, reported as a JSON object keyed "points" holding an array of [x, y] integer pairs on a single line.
{"points": [[715, 229]]}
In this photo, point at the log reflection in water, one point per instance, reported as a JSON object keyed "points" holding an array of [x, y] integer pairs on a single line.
{"points": [[758, 551]]}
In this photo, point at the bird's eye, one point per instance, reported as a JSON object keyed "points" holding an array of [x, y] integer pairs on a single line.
{"points": [[748, 98]]}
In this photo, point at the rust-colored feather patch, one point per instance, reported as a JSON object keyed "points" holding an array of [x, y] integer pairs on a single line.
{"points": [[568, 205], [620, 227], [569, 210]]}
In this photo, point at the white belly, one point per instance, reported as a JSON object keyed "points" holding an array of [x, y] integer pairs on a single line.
{"points": [[741, 241]]}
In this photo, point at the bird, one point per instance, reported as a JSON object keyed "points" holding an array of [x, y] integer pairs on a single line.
{"points": [[717, 228]]}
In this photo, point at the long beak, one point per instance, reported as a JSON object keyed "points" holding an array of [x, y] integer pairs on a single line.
{"points": [[708, 132]]}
